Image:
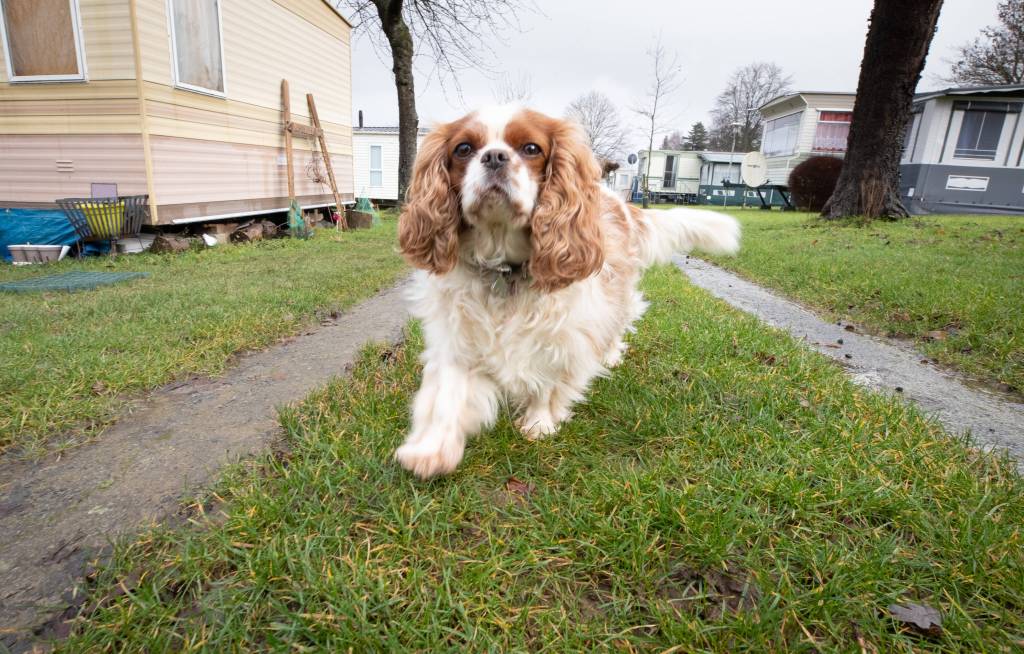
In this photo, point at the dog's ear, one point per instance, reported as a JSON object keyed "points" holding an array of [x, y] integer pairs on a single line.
{"points": [[428, 229], [566, 238]]}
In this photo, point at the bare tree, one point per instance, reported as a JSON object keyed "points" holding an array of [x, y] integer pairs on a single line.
{"points": [[665, 71], [513, 90], [673, 141], [602, 124], [455, 34], [894, 55], [748, 88], [997, 56]]}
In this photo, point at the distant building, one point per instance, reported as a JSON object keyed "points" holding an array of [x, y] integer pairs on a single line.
{"points": [[963, 151], [802, 125], [674, 175], [375, 162]]}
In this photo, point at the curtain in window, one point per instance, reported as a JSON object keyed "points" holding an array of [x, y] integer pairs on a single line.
{"points": [[197, 44], [780, 135], [833, 131], [41, 37]]}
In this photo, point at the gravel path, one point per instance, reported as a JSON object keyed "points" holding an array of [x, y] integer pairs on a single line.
{"points": [[57, 515], [992, 420]]}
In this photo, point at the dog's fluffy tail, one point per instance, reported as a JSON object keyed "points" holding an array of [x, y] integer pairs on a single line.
{"points": [[681, 230]]}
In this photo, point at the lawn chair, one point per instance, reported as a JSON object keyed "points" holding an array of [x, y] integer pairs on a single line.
{"points": [[106, 219]]}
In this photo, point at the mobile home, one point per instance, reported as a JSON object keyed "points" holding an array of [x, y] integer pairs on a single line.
{"points": [[375, 161], [180, 99], [964, 152], [674, 175], [802, 125]]}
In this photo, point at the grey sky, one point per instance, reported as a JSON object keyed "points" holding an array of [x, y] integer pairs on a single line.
{"points": [[578, 45]]}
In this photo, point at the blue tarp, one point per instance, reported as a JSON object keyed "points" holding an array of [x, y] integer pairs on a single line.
{"points": [[39, 227]]}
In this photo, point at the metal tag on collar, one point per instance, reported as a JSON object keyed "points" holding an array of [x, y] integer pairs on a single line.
{"points": [[502, 280]]}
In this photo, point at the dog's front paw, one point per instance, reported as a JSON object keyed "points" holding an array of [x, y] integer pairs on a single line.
{"points": [[428, 457], [537, 426]]}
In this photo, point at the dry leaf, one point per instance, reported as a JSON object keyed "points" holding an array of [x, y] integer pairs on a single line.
{"points": [[519, 489], [99, 388], [920, 617], [936, 335]]}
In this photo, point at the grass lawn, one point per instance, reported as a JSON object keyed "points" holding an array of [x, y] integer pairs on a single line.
{"points": [[68, 361], [724, 490], [952, 284]]}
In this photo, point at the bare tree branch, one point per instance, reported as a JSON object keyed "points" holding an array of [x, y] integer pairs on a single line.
{"points": [[748, 88], [509, 90], [601, 122], [997, 56], [666, 81]]}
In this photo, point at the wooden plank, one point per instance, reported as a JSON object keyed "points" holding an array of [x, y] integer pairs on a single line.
{"points": [[287, 115], [304, 131], [342, 223]]}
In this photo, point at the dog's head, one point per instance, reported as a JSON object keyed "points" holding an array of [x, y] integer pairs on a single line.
{"points": [[514, 168]]}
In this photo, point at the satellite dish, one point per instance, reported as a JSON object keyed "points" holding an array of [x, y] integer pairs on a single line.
{"points": [[631, 159], [754, 169]]}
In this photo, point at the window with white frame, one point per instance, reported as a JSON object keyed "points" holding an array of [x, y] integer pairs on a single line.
{"points": [[780, 135], [197, 45], [833, 131], [981, 128], [376, 166], [42, 40]]}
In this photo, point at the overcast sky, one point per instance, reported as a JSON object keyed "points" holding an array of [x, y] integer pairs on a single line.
{"points": [[574, 46]]}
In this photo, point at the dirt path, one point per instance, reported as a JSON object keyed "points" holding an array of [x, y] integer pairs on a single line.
{"points": [[881, 364], [57, 515]]}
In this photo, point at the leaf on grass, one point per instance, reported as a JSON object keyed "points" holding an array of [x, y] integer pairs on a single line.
{"points": [[805, 404], [920, 617], [935, 335], [99, 388], [765, 358], [519, 490]]}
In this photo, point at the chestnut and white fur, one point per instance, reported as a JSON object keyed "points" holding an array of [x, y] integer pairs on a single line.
{"points": [[510, 186]]}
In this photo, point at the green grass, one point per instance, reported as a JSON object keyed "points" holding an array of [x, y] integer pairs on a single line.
{"points": [[721, 454], [962, 276], [69, 361]]}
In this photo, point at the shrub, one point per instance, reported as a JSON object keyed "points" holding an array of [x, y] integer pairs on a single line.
{"points": [[812, 182]]}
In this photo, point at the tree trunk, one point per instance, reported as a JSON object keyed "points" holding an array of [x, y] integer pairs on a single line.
{"points": [[894, 55], [402, 50]]}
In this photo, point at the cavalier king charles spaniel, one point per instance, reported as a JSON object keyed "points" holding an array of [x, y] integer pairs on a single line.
{"points": [[528, 280]]}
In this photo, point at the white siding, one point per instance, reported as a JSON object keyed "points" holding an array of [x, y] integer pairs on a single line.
{"points": [[779, 167], [388, 143]]}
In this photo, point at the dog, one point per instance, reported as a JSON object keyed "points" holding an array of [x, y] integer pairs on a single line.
{"points": [[528, 275]]}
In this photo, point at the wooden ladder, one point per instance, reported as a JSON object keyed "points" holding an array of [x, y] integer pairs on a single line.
{"points": [[299, 130]]}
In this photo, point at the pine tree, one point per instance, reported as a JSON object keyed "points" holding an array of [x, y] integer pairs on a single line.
{"points": [[697, 139]]}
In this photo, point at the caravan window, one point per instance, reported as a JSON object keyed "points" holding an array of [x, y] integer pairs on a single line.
{"points": [[979, 135], [780, 135], [42, 40], [198, 47], [376, 166], [833, 131]]}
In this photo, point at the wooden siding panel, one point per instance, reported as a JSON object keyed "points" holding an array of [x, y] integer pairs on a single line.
{"points": [[257, 58], [107, 32], [29, 174], [191, 171], [316, 12], [154, 38]]}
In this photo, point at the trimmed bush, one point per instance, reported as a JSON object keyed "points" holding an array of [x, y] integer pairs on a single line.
{"points": [[812, 182]]}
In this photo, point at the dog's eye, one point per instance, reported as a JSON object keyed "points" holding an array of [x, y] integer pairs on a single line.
{"points": [[531, 150], [463, 150]]}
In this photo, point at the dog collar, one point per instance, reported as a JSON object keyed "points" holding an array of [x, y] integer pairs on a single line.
{"points": [[504, 279]]}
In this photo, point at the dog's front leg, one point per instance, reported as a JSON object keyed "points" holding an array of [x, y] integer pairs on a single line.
{"points": [[452, 404]]}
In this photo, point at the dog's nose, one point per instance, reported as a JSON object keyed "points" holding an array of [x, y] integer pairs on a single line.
{"points": [[494, 159]]}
